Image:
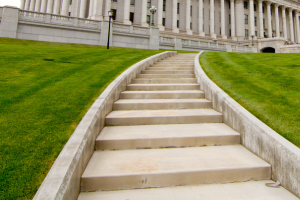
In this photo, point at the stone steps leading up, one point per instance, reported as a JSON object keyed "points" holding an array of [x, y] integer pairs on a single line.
{"points": [[162, 134]]}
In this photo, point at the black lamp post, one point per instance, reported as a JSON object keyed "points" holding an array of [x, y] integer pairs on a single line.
{"points": [[252, 39], [153, 10], [110, 15]]}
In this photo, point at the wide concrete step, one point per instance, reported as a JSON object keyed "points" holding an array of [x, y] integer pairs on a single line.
{"points": [[165, 76], [250, 190], [164, 80], [151, 87], [166, 136], [150, 117], [163, 104], [172, 94], [168, 68], [167, 72], [128, 169], [172, 65]]}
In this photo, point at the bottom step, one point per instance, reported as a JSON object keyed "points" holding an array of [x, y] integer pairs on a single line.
{"points": [[252, 190]]}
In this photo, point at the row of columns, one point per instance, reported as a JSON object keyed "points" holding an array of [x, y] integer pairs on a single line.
{"points": [[236, 14]]}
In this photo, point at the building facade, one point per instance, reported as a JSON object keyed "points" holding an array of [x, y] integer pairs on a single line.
{"points": [[234, 20]]}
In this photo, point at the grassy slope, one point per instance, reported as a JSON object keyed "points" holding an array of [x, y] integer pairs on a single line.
{"points": [[45, 90], [265, 84]]}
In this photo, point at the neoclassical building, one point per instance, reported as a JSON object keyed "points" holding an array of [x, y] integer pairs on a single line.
{"points": [[234, 20]]}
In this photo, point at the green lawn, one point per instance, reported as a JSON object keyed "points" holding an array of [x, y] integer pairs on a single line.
{"points": [[45, 90], [267, 85]]}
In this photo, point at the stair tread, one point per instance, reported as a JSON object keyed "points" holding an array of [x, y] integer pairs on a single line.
{"points": [[161, 113], [251, 190], [171, 160], [166, 131], [165, 91], [137, 101]]}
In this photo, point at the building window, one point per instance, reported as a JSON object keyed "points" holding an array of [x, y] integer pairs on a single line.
{"points": [[163, 21], [148, 3], [132, 2], [191, 26], [246, 33], [178, 4], [246, 19], [70, 2], [191, 10], [229, 32], [254, 7], [220, 31], [131, 17], [229, 19], [255, 21], [69, 14], [229, 4], [164, 5], [264, 23], [256, 33], [263, 8], [177, 23], [148, 19], [114, 0], [114, 14], [245, 4]]}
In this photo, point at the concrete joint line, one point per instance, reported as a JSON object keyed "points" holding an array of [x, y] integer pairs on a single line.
{"points": [[63, 179], [256, 136]]}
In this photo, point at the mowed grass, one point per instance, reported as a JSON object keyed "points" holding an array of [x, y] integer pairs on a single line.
{"points": [[267, 85], [45, 90]]}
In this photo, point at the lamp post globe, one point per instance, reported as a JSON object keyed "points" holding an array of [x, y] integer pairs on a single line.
{"points": [[153, 10], [252, 39]]}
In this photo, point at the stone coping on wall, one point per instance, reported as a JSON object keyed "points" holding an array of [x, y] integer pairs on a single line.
{"points": [[63, 179], [256, 136]]}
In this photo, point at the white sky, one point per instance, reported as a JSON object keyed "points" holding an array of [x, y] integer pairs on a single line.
{"points": [[15, 3]]}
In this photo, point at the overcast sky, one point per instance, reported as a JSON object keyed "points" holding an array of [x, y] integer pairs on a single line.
{"points": [[15, 3]]}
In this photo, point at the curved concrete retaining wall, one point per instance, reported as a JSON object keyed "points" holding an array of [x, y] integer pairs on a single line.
{"points": [[63, 179], [255, 135]]}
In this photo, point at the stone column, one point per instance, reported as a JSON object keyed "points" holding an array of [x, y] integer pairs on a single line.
{"points": [[212, 19], [223, 34], [107, 8], [297, 26], [260, 20], [160, 15], [27, 3], [32, 5], [277, 20], [22, 4], [284, 28], [174, 17], [97, 10], [251, 16], [37, 6], [50, 6], [188, 17], [91, 9], [144, 13], [240, 19], [56, 7], [291, 24], [126, 12], [232, 20], [269, 19], [200, 25], [65, 7], [83, 6]]}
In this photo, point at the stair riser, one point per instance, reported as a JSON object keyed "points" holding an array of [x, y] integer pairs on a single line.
{"points": [[168, 72], [161, 106], [171, 68], [162, 96], [162, 87], [163, 120], [151, 143], [166, 76], [157, 81], [174, 179], [174, 65]]}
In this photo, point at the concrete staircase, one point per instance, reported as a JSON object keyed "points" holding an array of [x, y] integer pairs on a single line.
{"points": [[162, 134]]}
